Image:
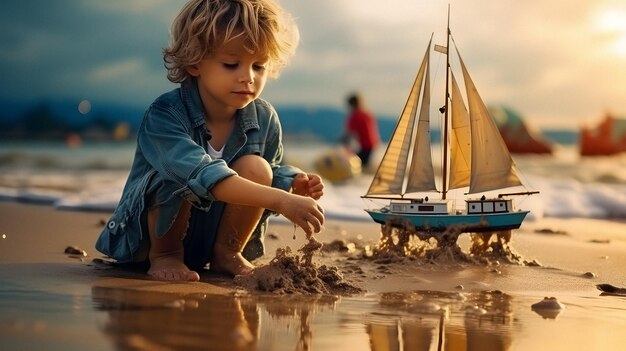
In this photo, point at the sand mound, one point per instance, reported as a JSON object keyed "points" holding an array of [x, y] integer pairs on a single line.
{"points": [[399, 241], [289, 273]]}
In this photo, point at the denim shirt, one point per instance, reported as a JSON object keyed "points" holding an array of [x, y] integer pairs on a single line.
{"points": [[171, 162]]}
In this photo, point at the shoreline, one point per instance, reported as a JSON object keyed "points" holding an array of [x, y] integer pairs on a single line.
{"points": [[38, 233], [49, 299]]}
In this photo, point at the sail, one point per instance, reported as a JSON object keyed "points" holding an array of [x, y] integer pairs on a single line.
{"points": [[421, 176], [492, 165], [389, 177], [460, 139]]}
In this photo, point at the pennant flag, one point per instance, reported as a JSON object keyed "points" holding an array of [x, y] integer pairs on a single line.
{"points": [[441, 49]]}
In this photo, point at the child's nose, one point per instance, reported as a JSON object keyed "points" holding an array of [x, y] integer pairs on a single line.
{"points": [[247, 76]]}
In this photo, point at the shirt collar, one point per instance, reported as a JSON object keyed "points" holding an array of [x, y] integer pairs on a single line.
{"points": [[193, 102]]}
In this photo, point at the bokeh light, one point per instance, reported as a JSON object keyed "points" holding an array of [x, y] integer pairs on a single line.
{"points": [[84, 107]]}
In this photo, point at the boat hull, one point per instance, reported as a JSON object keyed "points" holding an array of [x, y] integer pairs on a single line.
{"points": [[483, 222]]}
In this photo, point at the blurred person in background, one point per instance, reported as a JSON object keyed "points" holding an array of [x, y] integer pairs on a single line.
{"points": [[361, 126]]}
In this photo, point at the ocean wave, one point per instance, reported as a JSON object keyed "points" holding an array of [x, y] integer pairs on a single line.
{"points": [[92, 179], [557, 198]]}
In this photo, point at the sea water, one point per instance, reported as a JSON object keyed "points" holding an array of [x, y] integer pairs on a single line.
{"points": [[42, 310], [91, 178]]}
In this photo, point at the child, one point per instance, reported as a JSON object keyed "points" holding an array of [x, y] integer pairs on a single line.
{"points": [[207, 170]]}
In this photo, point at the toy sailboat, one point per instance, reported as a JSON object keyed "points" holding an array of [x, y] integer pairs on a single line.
{"points": [[474, 156]]}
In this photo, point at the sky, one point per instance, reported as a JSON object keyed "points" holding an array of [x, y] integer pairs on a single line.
{"points": [[559, 63]]}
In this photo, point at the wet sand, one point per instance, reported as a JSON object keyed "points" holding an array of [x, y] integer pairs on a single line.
{"points": [[54, 300]]}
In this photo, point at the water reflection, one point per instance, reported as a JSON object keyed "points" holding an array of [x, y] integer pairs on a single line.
{"points": [[431, 320], [420, 320], [141, 320]]}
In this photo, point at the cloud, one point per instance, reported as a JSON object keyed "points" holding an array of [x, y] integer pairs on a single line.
{"points": [[117, 70], [539, 58], [550, 60], [160, 10], [64, 48]]}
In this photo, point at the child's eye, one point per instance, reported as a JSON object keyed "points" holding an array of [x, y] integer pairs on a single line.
{"points": [[258, 67], [230, 65]]}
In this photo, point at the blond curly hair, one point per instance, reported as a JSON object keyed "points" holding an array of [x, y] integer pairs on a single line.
{"points": [[203, 26]]}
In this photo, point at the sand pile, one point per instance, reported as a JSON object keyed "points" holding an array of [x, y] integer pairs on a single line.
{"points": [[289, 273]]}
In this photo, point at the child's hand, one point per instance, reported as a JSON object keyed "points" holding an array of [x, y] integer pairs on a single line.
{"points": [[304, 212], [308, 185]]}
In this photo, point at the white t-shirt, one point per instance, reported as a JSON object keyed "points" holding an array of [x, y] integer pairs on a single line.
{"points": [[214, 153]]}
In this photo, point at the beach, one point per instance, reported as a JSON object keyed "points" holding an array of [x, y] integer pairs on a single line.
{"points": [[69, 301]]}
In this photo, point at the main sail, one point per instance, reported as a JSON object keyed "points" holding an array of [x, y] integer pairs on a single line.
{"points": [[492, 166], [392, 171]]}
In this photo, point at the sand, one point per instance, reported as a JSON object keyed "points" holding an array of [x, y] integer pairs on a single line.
{"points": [[557, 285]]}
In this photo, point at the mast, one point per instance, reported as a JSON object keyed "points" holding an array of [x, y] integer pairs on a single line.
{"points": [[444, 142]]}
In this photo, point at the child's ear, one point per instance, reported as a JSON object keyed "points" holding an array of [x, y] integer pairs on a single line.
{"points": [[193, 70]]}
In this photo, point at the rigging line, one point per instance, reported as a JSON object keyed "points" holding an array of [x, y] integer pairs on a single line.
{"points": [[526, 183]]}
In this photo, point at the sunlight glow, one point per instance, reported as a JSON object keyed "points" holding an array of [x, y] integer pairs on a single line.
{"points": [[613, 23]]}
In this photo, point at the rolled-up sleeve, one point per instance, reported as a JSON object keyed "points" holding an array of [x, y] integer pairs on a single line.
{"points": [[167, 144]]}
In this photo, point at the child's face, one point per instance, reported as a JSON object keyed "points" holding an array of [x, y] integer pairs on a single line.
{"points": [[231, 77]]}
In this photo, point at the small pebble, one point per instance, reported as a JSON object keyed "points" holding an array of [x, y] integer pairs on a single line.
{"points": [[73, 250], [600, 241], [548, 303], [612, 290], [589, 275], [550, 231], [340, 246], [548, 308]]}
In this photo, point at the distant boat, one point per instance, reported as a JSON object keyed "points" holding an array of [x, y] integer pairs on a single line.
{"points": [[608, 138], [478, 159], [518, 137]]}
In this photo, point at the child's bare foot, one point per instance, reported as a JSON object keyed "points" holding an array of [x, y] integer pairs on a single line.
{"points": [[231, 263], [171, 269]]}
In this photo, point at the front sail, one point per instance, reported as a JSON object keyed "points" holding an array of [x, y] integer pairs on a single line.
{"points": [[421, 176], [460, 140], [389, 177], [492, 165]]}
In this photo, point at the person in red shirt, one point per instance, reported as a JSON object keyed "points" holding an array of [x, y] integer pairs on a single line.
{"points": [[362, 126]]}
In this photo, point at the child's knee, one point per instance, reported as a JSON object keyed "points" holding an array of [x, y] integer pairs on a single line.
{"points": [[254, 168]]}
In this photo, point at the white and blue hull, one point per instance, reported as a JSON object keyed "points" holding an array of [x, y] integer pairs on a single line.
{"points": [[482, 222]]}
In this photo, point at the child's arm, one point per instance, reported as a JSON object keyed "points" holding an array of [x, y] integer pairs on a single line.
{"points": [[302, 211]]}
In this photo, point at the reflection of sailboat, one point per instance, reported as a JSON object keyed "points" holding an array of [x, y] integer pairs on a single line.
{"points": [[479, 159]]}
